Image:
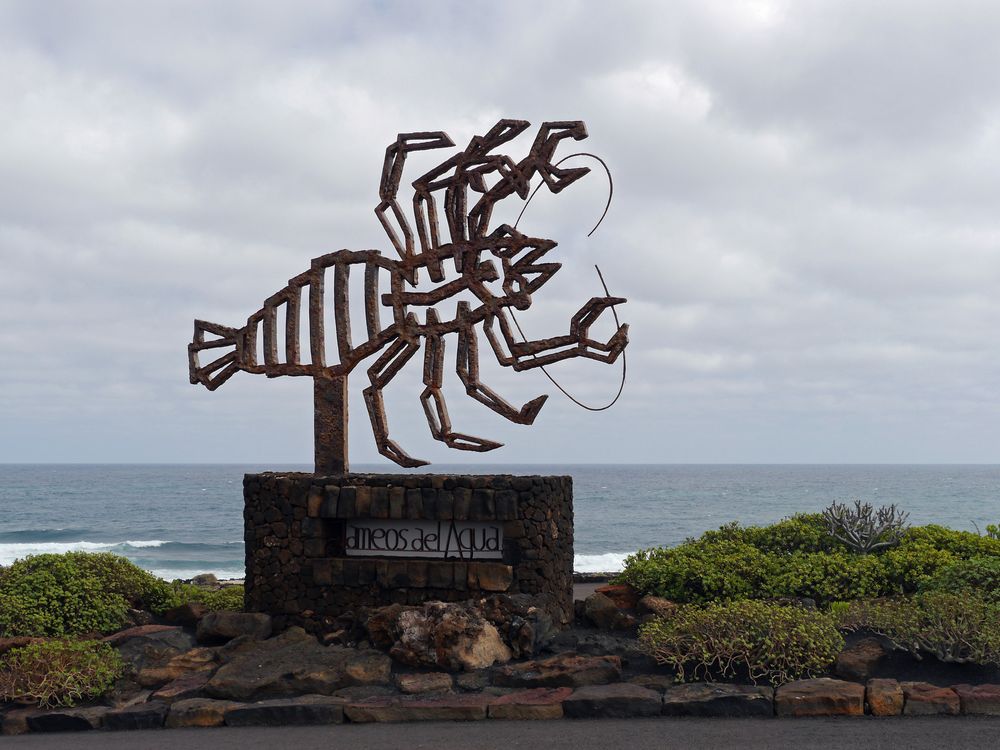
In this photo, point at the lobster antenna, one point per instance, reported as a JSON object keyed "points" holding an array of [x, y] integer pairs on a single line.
{"points": [[614, 311]]}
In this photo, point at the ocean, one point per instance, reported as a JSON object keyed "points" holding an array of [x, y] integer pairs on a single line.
{"points": [[181, 520]]}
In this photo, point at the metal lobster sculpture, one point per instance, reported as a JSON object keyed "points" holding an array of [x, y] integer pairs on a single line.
{"points": [[472, 248]]}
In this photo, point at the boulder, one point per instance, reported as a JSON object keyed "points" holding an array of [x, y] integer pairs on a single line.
{"points": [[562, 670], [67, 719], [523, 621], [206, 580], [302, 710], [604, 613], [857, 662], [656, 605], [15, 721], [979, 699], [820, 697], [198, 712], [150, 645], [618, 701], [195, 660], [717, 699], [884, 697], [140, 716], [187, 614], [191, 685], [382, 627], [537, 703], [473, 681], [294, 663], [219, 627], [924, 699], [453, 637], [424, 682], [450, 707], [623, 595]]}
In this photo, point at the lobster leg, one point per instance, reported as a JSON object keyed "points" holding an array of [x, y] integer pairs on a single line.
{"points": [[379, 374], [467, 365], [434, 404]]}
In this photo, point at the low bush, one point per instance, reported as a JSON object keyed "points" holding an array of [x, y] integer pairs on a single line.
{"points": [[59, 672], [797, 557], [699, 571], [753, 639], [74, 593], [981, 575], [959, 627], [226, 598], [825, 577]]}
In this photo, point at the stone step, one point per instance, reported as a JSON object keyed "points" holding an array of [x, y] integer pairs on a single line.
{"points": [[822, 696], [718, 699], [617, 701], [303, 710]]}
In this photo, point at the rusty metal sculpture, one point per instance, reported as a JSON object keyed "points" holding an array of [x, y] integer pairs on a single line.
{"points": [[521, 274]]}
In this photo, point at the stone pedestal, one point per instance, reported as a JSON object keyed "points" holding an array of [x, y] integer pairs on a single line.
{"points": [[304, 565]]}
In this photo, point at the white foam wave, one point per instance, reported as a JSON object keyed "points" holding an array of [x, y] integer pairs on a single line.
{"points": [[607, 562], [16, 550]]}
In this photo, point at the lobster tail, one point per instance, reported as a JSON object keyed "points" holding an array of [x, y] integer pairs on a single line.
{"points": [[218, 371]]}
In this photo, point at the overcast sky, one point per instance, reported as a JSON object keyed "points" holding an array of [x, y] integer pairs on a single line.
{"points": [[806, 219]]}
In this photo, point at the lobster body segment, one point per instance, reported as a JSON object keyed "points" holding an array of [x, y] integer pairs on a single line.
{"points": [[399, 319]]}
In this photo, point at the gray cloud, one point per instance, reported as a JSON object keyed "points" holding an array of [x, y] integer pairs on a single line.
{"points": [[804, 223]]}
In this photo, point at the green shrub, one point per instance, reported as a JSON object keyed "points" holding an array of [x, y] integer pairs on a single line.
{"points": [[178, 593], [804, 532], [955, 627], [797, 557], [73, 593], [981, 575], [58, 673], [961, 544], [758, 640], [826, 577], [699, 571]]}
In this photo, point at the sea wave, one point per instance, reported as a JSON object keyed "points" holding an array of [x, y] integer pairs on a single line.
{"points": [[607, 562], [16, 550]]}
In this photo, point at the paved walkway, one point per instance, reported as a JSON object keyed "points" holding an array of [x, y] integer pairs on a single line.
{"points": [[634, 734]]}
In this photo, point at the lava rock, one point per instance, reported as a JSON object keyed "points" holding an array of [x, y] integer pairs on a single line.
{"points": [[562, 670], [717, 699], [294, 663], [219, 627], [820, 697], [884, 697], [857, 662], [617, 701], [302, 710]]}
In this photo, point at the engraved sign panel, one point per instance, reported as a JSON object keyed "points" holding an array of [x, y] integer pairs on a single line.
{"points": [[465, 540]]}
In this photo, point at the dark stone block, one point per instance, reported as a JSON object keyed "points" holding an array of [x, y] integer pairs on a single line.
{"points": [[414, 504], [347, 503], [303, 710], [380, 502], [463, 503], [397, 502], [363, 502], [483, 507], [142, 716], [445, 506], [440, 575]]}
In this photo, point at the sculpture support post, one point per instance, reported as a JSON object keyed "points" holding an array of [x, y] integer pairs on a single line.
{"points": [[330, 424]]}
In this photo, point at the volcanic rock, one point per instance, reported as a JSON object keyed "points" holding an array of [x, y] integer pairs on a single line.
{"points": [[294, 663]]}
